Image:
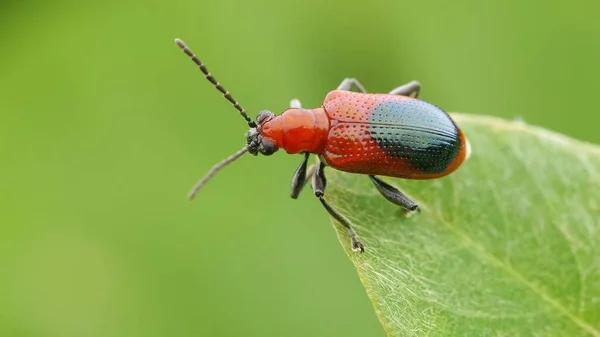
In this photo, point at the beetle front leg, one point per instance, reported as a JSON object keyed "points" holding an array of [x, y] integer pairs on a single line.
{"points": [[349, 82], [412, 87], [393, 195], [295, 103], [301, 176], [319, 183]]}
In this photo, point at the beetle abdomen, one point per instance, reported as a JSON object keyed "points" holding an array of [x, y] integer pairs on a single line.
{"points": [[391, 135]]}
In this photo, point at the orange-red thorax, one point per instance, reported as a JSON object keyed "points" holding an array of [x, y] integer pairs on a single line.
{"points": [[298, 130]]}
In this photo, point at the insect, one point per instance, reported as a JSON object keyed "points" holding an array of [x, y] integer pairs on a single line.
{"points": [[393, 135]]}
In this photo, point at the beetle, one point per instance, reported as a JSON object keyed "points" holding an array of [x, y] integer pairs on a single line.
{"points": [[394, 134]]}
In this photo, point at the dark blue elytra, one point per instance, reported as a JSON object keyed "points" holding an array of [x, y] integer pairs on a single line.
{"points": [[418, 131]]}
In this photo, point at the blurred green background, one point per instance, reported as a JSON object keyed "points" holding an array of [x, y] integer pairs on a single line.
{"points": [[105, 125]]}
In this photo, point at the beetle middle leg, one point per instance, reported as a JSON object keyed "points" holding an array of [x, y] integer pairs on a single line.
{"points": [[393, 195], [318, 184], [348, 83], [412, 87]]}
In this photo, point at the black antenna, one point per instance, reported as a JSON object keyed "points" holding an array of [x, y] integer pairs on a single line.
{"points": [[212, 80], [214, 170]]}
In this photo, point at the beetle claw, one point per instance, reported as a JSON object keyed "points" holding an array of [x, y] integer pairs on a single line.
{"points": [[410, 212], [357, 246]]}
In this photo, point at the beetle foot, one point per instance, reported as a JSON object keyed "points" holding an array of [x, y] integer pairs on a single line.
{"points": [[410, 212], [357, 246]]}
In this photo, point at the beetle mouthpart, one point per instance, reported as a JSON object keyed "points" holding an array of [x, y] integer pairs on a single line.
{"points": [[253, 141]]}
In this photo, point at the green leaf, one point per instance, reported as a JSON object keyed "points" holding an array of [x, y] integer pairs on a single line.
{"points": [[508, 245]]}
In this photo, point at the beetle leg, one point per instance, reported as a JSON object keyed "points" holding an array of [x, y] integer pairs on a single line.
{"points": [[301, 176], [318, 184], [412, 87], [393, 195], [349, 82], [295, 103]]}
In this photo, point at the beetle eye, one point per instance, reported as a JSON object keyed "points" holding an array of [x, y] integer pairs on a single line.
{"points": [[267, 147], [263, 116]]}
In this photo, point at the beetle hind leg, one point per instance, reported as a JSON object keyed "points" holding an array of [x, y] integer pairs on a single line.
{"points": [[412, 87], [318, 184], [393, 195]]}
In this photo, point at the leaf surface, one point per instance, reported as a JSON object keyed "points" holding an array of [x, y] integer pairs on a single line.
{"points": [[508, 245]]}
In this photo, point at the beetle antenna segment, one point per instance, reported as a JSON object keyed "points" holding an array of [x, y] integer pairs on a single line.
{"points": [[214, 170], [212, 80]]}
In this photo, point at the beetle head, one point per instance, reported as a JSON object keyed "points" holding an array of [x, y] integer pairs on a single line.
{"points": [[256, 142]]}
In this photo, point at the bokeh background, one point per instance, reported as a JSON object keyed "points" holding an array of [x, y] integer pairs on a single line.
{"points": [[105, 125]]}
